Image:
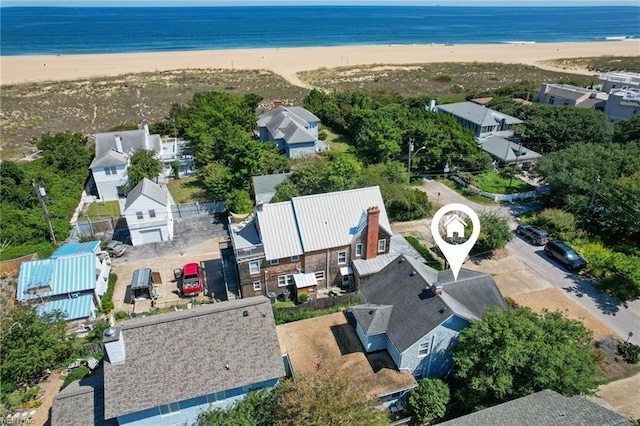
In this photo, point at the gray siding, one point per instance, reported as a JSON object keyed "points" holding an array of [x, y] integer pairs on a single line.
{"points": [[302, 150]]}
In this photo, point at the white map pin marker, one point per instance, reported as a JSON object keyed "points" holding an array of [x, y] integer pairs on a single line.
{"points": [[455, 253]]}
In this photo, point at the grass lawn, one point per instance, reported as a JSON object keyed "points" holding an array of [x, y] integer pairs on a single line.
{"points": [[102, 210], [493, 183], [475, 198], [187, 190], [335, 141]]}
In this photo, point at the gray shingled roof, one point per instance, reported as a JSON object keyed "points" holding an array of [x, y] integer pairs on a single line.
{"points": [[182, 355], [506, 150], [109, 158], [80, 403], [568, 91], [264, 186], [288, 123], [132, 140], [544, 408], [476, 114], [374, 319], [149, 189], [405, 284]]}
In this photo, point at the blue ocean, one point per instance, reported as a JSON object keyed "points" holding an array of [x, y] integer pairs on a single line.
{"points": [[72, 30]]}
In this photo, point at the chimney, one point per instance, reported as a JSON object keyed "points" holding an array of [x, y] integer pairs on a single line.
{"points": [[114, 345], [432, 105], [277, 104], [373, 224], [260, 205], [436, 288], [146, 129], [119, 144]]}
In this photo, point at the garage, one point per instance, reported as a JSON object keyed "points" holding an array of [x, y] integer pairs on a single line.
{"points": [[151, 235]]}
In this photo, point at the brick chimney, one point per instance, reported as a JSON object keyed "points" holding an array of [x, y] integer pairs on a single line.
{"points": [[277, 104], [373, 224]]}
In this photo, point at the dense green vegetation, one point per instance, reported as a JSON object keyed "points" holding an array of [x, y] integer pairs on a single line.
{"points": [[494, 233], [428, 401], [143, 164], [107, 302], [507, 355], [62, 171], [425, 253]]}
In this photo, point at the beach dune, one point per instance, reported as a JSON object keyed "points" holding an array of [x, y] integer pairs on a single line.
{"points": [[287, 62]]}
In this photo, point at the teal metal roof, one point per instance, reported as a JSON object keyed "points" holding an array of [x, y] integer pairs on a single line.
{"points": [[51, 277], [77, 248], [75, 307]]}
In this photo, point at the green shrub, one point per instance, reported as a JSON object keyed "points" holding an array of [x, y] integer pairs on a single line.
{"points": [[96, 333], [630, 352], [425, 253], [322, 135], [107, 303], [303, 298], [121, 315], [74, 375], [558, 223]]}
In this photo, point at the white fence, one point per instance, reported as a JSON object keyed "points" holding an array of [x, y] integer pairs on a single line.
{"points": [[497, 197]]}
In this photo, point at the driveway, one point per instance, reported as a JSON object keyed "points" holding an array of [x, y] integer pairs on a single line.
{"points": [[526, 269]]}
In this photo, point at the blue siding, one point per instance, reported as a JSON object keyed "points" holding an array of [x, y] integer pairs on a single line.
{"points": [[302, 149], [371, 343]]}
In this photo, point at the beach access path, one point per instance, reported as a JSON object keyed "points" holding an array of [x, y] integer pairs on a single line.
{"points": [[288, 62]]}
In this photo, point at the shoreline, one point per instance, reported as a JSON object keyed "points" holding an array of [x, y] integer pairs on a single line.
{"points": [[287, 62]]}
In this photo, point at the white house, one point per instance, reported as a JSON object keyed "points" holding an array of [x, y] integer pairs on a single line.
{"points": [[113, 149], [148, 213]]}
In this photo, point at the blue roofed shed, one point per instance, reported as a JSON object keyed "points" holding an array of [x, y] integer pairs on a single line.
{"points": [[79, 307], [75, 249]]}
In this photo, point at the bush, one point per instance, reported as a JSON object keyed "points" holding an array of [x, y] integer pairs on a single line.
{"points": [[74, 375], [557, 223], [303, 298], [107, 303], [96, 333], [429, 400], [425, 253], [629, 352], [121, 315], [494, 233]]}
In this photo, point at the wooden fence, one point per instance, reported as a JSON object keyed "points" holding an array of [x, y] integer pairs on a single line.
{"points": [[328, 302]]}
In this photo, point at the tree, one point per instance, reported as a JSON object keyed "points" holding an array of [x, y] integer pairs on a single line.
{"points": [[65, 151], [511, 354], [30, 344], [239, 201], [258, 408], [215, 178], [144, 164], [326, 398], [285, 191], [494, 233], [429, 400]]}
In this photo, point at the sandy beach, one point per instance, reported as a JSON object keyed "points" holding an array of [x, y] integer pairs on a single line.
{"points": [[289, 61]]}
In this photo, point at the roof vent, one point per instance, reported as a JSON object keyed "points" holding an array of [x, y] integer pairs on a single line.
{"points": [[110, 331], [372, 311], [436, 288], [413, 273], [245, 313]]}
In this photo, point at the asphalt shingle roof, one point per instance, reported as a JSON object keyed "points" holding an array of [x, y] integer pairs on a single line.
{"points": [[80, 403], [182, 355], [289, 123], [477, 114], [405, 284], [149, 189], [506, 150], [265, 186], [544, 408]]}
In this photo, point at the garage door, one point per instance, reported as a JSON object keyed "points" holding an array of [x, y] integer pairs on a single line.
{"points": [[151, 236]]}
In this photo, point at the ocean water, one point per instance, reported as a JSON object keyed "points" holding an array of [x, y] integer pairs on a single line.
{"points": [[72, 30]]}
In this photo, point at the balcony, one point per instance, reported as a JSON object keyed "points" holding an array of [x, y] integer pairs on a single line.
{"points": [[245, 239]]}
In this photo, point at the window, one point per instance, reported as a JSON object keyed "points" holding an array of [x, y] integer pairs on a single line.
{"points": [[552, 99], [282, 281], [169, 409], [295, 258], [274, 261], [342, 257], [213, 397], [289, 279], [312, 288], [152, 213], [256, 286], [424, 349], [566, 103], [359, 249], [382, 245], [254, 267], [110, 170], [139, 215], [320, 275]]}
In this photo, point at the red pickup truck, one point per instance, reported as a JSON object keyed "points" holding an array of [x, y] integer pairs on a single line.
{"points": [[191, 279]]}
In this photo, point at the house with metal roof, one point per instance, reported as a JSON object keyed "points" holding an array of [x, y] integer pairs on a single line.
{"points": [[113, 150], [309, 244], [415, 313], [293, 129], [166, 369], [544, 408], [482, 121], [148, 213], [73, 281]]}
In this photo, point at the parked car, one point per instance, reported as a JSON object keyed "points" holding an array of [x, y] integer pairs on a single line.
{"points": [[191, 279], [536, 234], [116, 248], [565, 254]]}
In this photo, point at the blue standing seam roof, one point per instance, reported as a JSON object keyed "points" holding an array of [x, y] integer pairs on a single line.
{"points": [[63, 275], [75, 307], [74, 249]]}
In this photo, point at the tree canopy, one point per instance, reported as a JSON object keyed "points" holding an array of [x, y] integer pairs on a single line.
{"points": [[144, 164], [429, 400], [511, 354]]}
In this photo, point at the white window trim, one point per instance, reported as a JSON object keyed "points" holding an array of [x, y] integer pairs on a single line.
{"points": [[344, 262], [295, 258], [139, 215], [282, 278], [256, 286], [319, 275], [359, 249], [273, 262], [424, 345], [382, 245], [254, 272]]}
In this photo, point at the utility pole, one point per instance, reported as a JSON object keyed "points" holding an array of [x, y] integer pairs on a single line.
{"points": [[513, 172], [44, 209], [593, 193], [410, 151]]}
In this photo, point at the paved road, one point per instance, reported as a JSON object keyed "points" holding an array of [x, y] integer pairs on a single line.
{"points": [[621, 317]]}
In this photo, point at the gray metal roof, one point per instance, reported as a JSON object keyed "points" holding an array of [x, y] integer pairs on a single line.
{"points": [[182, 355], [148, 189], [405, 284], [331, 220], [477, 114], [506, 150], [80, 403], [279, 231], [544, 408], [264, 186], [397, 246], [141, 278]]}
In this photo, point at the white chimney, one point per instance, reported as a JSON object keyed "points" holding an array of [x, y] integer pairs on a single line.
{"points": [[146, 129], [114, 345], [432, 105], [119, 144]]}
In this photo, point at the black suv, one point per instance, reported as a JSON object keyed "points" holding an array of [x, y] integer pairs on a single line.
{"points": [[565, 254], [536, 235]]}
